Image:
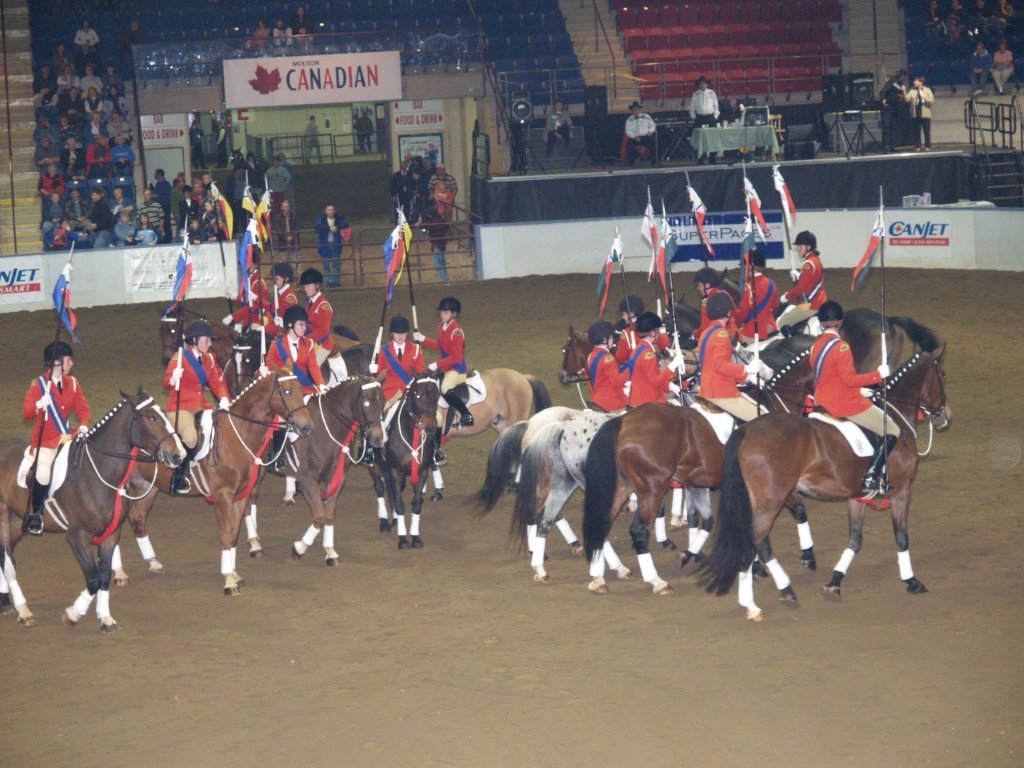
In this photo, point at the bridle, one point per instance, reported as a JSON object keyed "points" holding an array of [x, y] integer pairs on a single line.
{"points": [[567, 375], [90, 444], [363, 426], [937, 414]]}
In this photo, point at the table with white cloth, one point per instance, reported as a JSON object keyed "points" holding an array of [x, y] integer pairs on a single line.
{"points": [[721, 138]]}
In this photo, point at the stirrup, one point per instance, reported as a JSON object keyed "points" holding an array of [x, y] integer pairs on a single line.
{"points": [[180, 484], [440, 458], [33, 523], [366, 459], [466, 420]]}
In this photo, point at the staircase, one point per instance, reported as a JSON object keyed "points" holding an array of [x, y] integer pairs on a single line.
{"points": [[864, 54], [1004, 177], [583, 21], [19, 206]]}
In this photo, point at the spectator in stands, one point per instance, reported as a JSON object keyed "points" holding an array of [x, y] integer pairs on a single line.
{"points": [[301, 20], [53, 213], [260, 37], [302, 39], [97, 159], [311, 140], [640, 135], [258, 167], [65, 131], [978, 20], [129, 36], [86, 44], [332, 232], [118, 127], [46, 153], [934, 25], [401, 188], [195, 140], [153, 211], [162, 192], [365, 129], [44, 90], [119, 203], [147, 234], [99, 221], [67, 79], [704, 109], [285, 225], [1002, 66], [443, 189], [195, 231], [111, 79], [895, 114], [75, 210], [220, 131], [234, 191], [113, 103], [956, 23], [43, 128], [1002, 18], [278, 181], [92, 103], [72, 160], [281, 35], [981, 65], [58, 238], [95, 127], [211, 229], [189, 209], [50, 182], [427, 173], [920, 98], [62, 59], [124, 230], [559, 126], [122, 157], [90, 80], [70, 103]]}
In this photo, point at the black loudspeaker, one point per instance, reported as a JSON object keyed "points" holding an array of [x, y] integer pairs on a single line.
{"points": [[521, 108], [862, 90], [833, 93], [595, 102]]}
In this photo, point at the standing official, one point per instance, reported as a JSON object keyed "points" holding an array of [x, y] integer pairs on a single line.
{"points": [[704, 109]]}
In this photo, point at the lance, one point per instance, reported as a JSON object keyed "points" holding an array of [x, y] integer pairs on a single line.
{"points": [[703, 245], [885, 352], [749, 267], [408, 274], [676, 349], [785, 227], [181, 341]]}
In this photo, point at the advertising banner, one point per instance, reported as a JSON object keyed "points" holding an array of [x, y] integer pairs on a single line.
{"points": [[725, 231], [150, 272], [21, 280]]}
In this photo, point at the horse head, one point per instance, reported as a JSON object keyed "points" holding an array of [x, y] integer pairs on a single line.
{"points": [[421, 397], [246, 349], [919, 385], [156, 435], [287, 400], [933, 393], [368, 410], [574, 358]]}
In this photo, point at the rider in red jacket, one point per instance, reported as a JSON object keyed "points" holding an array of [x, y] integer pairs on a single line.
{"points": [[606, 380]]}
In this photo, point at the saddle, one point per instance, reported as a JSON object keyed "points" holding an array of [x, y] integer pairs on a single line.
{"points": [[860, 443], [475, 387], [58, 474]]}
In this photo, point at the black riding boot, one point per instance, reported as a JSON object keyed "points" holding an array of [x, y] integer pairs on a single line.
{"points": [[33, 522], [873, 477], [458, 397], [367, 459], [179, 480]]}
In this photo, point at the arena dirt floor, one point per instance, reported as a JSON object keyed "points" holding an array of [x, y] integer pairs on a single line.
{"points": [[452, 656]]}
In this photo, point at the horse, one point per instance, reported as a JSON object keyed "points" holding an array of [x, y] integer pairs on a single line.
{"points": [[408, 452], [318, 461], [87, 506], [767, 459], [510, 397], [227, 475]]}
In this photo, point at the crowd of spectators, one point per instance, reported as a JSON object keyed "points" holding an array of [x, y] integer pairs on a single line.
{"points": [[426, 193], [957, 30]]}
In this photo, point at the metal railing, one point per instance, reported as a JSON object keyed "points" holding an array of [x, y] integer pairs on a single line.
{"points": [[10, 133], [989, 122]]}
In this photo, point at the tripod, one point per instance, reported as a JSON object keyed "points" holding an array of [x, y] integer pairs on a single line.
{"points": [[522, 152], [851, 146]]}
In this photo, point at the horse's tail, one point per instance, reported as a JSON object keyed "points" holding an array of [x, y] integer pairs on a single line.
{"points": [[734, 542], [501, 460], [922, 336], [541, 396], [530, 469], [345, 332], [601, 474]]}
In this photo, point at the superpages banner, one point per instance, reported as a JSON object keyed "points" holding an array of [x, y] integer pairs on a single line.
{"points": [[282, 81], [725, 231]]}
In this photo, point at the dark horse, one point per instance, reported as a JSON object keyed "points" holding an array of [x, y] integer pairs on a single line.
{"points": [[318, 461], [768, 458], [87, 507]]}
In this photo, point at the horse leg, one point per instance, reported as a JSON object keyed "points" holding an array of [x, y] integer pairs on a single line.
{"points": [[649, 498], [418, 491], [229, 524], [803, 530], [396, 488], [106, 553], [559, 487], [678, 503], [900, 510], [438, 480], [699, 519], [746, 595], [251, 532], [565, 528], [382, 505], [606, 554], [779, 575], [331, 557], [138, 517], [10, 580], [289, 490], [660, 530], [310, 490], [81, 545], [856, 516]]}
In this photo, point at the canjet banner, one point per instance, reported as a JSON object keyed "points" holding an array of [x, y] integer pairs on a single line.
{"points": [[283, 81]]}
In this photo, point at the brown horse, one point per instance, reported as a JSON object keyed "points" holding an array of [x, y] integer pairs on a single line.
{"points": [[511, 396], [227, 475], [87, 507], [768, 458]]}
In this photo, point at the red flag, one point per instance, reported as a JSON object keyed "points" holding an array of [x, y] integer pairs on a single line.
{"points": [[755, 207], [860, 272], [604, 280], [699, 214], [788, 206]]}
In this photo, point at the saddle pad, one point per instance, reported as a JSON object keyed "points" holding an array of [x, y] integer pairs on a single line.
{"points": [[477, 391], [59, 472], [391, 414], [854, 435], [721, 422], [204, 425], [24, 467], [760, 345]]}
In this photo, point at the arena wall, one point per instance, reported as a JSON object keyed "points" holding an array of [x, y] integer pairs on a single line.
{"points": [[934, 237]]}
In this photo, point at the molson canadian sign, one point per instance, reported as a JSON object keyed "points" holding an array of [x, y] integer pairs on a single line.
{"points": [[283, 81]]}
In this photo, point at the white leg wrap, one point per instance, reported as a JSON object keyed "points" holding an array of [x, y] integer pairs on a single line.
{"points": [[746, 588], [677, 502], [691, 535], [438, 480], [146, 548], [697, 540], [519, 472], [289, 486], [225, 562], [309, 537], [597, 566], [844, 561], [232, 553], [778, 573], [11, 582], [531, 538], [611, 556], [382, 508], [103, 604], [647, 570], [250, 524], [115, 559], [4, 588], [338, 367], [803, 531], [81, 605], [539, 545], [906, 569], [633, 502], [328, 537], [414, 525], [660, 533], [566, 530], [401, 525]]}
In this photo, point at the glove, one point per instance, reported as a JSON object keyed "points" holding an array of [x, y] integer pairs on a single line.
{"points": [[752, 368], [418, 337], [82, 430], [752, 378], [176, 376], [766, 372], [323, 389], [264, 370], [626, 387], [373, 369], [432, 367], [224, 404], [44, 402], [677, 364], [795, 274], [783, 299], [673, 388], [228, 320], [883, 370]]}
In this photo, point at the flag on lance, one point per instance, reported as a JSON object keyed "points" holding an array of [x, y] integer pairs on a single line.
{"points": [[62, 301], [755, 208], [604, 280], [700, 212], [649, 232], [788, 207], [182, 276], [248, 241], [396, 249], [860, 272]]}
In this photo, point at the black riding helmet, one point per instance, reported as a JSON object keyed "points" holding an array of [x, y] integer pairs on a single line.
{"points": [[806, 238], [757, 258], [283, 269], [293, 314], [719, 306], [312, 277], [600, 332], [648, 322], [57, 351], [398, 324], [708, 276], [197, 328], [449, 304], [830, 312], [633, 304]]}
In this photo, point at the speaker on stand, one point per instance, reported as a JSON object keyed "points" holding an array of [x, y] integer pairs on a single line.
{"points": [[520, 112], [834, 97], [595, 114], [861, 88]]}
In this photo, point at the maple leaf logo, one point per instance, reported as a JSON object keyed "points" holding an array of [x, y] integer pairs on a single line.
{"points": [[265, 81]]}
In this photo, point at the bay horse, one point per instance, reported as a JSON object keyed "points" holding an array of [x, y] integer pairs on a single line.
{"points": [[227, 475], [87, 506], [768, 458], [353, 406]]}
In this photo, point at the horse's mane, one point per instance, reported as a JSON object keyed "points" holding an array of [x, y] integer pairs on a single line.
{"points": [[99, 425], [253, 383], [921, 335], [789, 366], [899, 373]]}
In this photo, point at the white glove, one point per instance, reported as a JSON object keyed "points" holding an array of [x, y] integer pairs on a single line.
{"points": [[224, 404], [766, 372], [228, 320], [323, 388], [432, 367], [673, 388], [264, 370], [677, 364], [783, 299], [82, 430], [752, 367], [44, 402], [883, 370], [176, 376], [795, 274], [374, 368], [867, 391], [418, 337]]}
